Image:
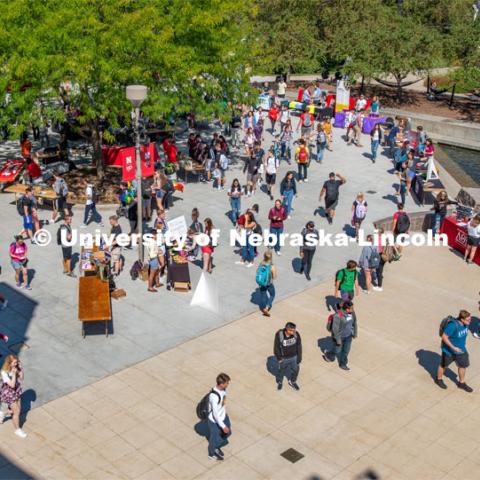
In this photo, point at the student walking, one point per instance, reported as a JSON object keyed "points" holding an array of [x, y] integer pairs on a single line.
{"points": [[266, 274], [207, 250], [90, 207], [453, 332], [277, 215], [271, 168], [473, 239], [235, 194], [321, 143], [302, 157], [343, 328], [331, 192], [66, 230], [11, 391], [219, 426], [60, 205], [346, 281], [369, 262], [307, 250], [288, 190], [440, 205], [18, 256], [359, 212], [376, 137], [287, 348]]}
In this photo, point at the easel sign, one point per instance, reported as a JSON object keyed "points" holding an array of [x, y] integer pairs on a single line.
{"points": [[432, 173]]}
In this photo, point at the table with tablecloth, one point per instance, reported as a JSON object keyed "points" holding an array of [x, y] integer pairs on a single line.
{"points": [[457, 236], [370, 121], [178, 273]]}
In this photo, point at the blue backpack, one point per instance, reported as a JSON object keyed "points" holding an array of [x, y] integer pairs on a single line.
{"points": [[263, 275]]}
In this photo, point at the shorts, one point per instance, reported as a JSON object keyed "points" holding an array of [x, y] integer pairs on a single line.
{"points": [[331, 203], [306, 131], [473, 241], [60, 203], [209, 165], [207, 249], [116, 254], [159, 193], [357, 221], [461, 360], [252, 177], [270, 178], [67, 253], [154, 264], [27, 222], [18, 264]]}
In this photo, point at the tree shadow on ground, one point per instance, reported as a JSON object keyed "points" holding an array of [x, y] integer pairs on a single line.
{"points": [[430, 362]]}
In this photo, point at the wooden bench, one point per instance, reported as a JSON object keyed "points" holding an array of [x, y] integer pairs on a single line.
{"points": [[94, 302]]}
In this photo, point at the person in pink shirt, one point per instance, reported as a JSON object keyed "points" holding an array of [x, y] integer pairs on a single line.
{"points": [[18, 256], [277, 215], [429, 150]]}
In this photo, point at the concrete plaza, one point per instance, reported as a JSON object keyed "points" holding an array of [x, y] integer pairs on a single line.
{"points": [[385, 415]]}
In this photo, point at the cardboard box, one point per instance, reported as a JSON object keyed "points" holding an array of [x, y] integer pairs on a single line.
{"points": [[118, 293], [181, 286]]}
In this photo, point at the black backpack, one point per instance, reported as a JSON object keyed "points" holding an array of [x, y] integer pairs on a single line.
{"points": [[203, 407], [403, 223], [20, 208], [135, 270], [444, 323], [59, 234]]}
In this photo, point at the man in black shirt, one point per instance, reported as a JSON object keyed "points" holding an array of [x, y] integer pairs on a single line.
{"points": [[66, 230], [331, 192], [287, 349], [115, 249], [252, 166], [26, 207]]}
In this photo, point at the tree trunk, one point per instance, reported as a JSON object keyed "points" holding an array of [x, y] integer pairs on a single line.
{"points": [[97, 149], [289, 72], [399, 89], [362, 86]]}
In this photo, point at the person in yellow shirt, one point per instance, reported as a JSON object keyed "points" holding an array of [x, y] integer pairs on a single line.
{"points": [[302, 157], [327, 128]]}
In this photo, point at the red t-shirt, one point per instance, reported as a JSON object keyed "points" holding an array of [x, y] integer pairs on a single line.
{"points": [[273, 113], [172, 154], [302, 118], [33, 170]]}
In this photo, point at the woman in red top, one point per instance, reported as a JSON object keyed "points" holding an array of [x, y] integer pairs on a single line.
{"points": [[273, 114], [207, 250]]}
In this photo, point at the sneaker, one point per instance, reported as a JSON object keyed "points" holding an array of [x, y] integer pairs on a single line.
{"points": [[20, 433], [19, 285], [294, 385], [101, 224], [279, 385], [465, 387], [239, 262], [278, 252], [344, 367], [307, 276], [378, 289], [216, 457], [289, 217], [219, 451], [305, 180], [265, 312], [440, 383], [27, 287], [83, 225], [327, 358], [71, 274], [4, 305], [366, 291], [249, 265], [475, 334], [33, 242]]}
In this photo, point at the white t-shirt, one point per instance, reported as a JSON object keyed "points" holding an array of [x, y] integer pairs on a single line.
{"points": [[473, 231], [360, 105], [284, 116], [5, 377], [217, 411], [89, 193], [281, 88], [271, 165]]}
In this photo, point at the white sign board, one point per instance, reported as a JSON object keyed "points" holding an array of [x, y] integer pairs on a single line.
{"points": [[177, 227]]}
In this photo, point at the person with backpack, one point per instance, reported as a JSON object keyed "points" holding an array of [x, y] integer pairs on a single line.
{"points": [[60, 203], [302, 157], [306, 124], [266, 274], [331, 192], [454, 332], [248, 251], [18, 256], [321, 143], [287, 348], [219, 426], [25, 206], [401, 223], [346, 281], [343, 328], [66, 229], [359, 212], [369, 262], [376, 137], [277, 215], [273, 115], [90, 207], [286, 138], [288, 189], [271, 168], [327, 128], [307, 251], [356, 126]]}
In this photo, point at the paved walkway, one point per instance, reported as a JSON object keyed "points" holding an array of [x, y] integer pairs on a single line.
{"points": [[385, 414], [60, 361]]}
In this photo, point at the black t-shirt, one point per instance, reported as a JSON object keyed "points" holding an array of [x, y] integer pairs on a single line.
{"points": [[27, 202], [132, 213], [116, 230], [252, 165], [331, 189]]}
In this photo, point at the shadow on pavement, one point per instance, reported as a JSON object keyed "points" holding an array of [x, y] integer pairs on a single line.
{"points": [[430, 362]]}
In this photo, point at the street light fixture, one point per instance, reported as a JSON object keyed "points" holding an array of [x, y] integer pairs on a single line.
{"points": [[137, 94]]}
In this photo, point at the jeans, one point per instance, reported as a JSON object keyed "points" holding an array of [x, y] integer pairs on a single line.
{"points": [[403, 191], [216, 437], [276, 231], [320, 151], [289, 368], [347, 295], [235, 204], [267, 296], [91, 210], [286, 150], [341, 351], [375, 144], [438, 220], [287, 200], [307, 260], [379, 273], [302, 167], [248, 252]]}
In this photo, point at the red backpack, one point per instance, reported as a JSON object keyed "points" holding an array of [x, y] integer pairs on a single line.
{"points": [[302, 155]]}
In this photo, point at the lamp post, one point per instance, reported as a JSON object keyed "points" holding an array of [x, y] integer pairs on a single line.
{"points": [[137, 94]]}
